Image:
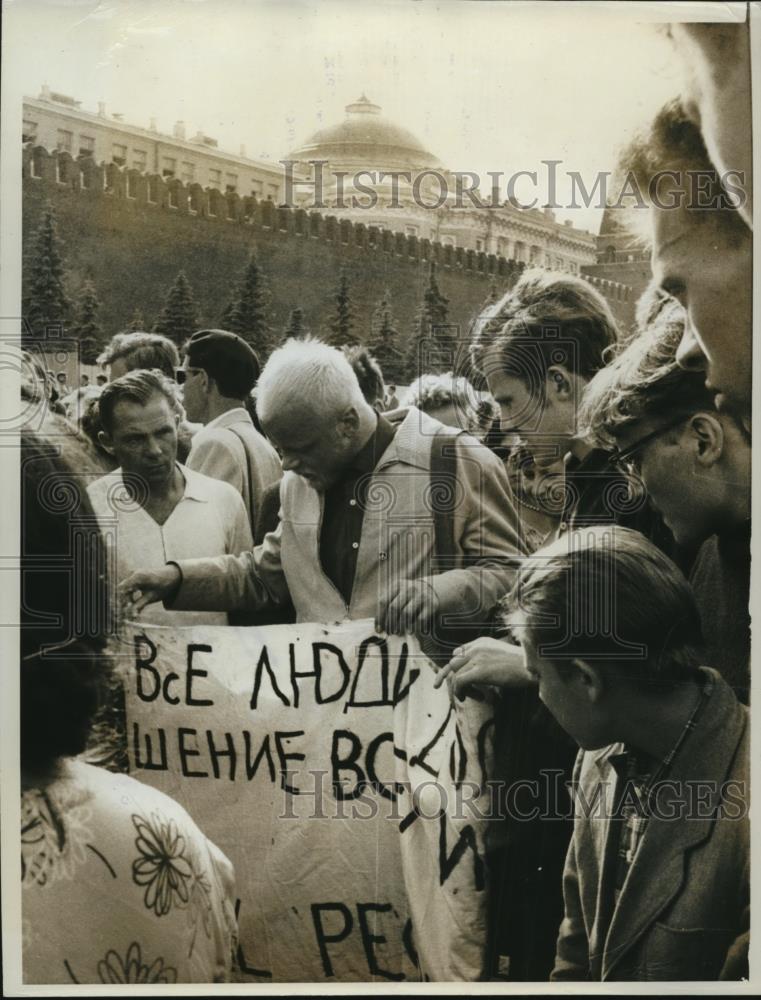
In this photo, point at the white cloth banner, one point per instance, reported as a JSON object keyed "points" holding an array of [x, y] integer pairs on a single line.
{"points": [[344, 788]]}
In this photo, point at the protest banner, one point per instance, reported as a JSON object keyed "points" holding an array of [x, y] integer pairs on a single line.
{"points": [[342, 785]]}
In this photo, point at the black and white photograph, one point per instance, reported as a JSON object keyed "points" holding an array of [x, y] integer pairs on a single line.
{"points": [[375, 440]]}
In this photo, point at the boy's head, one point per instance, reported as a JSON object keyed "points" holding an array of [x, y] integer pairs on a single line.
{"points": [[135, 351], [702, 251], [447, 397], [660, 422], [604, 617], [537, 347]]}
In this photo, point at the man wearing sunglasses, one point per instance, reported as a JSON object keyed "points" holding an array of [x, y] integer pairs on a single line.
{"points": [[661, 427], [220, 370]]}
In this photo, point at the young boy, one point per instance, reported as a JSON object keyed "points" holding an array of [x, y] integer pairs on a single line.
{"points": [[656, 882]]}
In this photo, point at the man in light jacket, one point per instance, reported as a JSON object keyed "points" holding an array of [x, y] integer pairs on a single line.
{"points": [[357, 531], [219, 372]]}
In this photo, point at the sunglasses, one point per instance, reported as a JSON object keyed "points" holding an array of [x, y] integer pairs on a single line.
{"points": [[181, 374], [629, 460]]}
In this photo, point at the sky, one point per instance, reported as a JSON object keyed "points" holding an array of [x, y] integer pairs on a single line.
{"points": [[485, 86]]}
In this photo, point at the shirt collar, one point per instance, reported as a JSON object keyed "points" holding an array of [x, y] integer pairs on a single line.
{"points": [[234, 416], [196, 485]]}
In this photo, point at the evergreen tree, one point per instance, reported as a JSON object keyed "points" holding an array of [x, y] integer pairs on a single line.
{"points": [[45, 302], [137, 323], [226, 319], [296, 328], [383, 343], [246, 314], [179, 317], [342, 323], [430, 334], [87, 329]]}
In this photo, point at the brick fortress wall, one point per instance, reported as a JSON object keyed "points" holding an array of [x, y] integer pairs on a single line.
{"points": [[132, 232]]}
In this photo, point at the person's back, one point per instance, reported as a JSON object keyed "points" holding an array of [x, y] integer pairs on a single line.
{"points": [[119, 885], [231, 449]]}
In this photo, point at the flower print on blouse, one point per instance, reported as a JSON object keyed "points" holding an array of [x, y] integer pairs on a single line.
{"points": [[161, 865], [51, 850], [132, 969], [120, 886]]}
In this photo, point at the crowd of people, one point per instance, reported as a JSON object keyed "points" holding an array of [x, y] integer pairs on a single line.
{"points": [[585, 560]]}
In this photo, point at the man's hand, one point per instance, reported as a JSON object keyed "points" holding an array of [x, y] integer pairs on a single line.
{"points": [[141, 589], [485, 661], [409, 607]]}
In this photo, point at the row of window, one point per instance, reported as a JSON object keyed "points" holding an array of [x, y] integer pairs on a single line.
{"points": [[170, 167]]}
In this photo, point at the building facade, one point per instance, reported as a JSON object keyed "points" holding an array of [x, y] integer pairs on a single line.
{"points": [[352, 155], [370, 170], [57, 122]]}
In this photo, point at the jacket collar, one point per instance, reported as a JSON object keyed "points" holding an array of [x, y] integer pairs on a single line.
{"points": [[412, 441], [706, 755], [235, 416]]}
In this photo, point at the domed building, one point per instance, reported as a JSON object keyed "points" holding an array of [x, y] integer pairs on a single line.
{"points": [[344, 170], [366, 140]]}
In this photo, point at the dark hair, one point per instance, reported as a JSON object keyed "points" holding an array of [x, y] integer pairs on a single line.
{"points": [[65, 606], [368, 372], [227, 359], [138, 387], [546, 319], [608, 595], [142, 350], [89, 425], [644, 380]]}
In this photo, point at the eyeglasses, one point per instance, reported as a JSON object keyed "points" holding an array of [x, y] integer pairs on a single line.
{"points": [[629, 460], [181, 374]]}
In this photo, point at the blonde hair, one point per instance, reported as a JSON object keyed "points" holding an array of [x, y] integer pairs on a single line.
{"points": [[432, 392]]}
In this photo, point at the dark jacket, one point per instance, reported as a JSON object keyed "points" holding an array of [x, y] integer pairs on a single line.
{"points": [[683, 912]]}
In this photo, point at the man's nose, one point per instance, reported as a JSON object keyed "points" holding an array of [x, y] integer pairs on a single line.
{"points": [[153, 446], [690, 354]]}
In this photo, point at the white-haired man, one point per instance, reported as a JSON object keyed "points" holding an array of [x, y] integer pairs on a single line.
{"points": [[358, 536]]}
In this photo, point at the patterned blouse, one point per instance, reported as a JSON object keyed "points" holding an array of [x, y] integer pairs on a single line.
{"points": [[120, 886]]}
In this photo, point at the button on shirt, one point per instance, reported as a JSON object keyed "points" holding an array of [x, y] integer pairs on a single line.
{"points": [[209, 520], [344, 511]]}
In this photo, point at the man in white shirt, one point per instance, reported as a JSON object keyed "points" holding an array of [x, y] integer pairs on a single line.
{"points": [[152, 509], [218, 374]]}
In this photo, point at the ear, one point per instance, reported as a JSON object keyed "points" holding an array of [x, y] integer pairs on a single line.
{"points": [[560, 383], [105, 442], [590, 679], [708, 436], [348, 422]]}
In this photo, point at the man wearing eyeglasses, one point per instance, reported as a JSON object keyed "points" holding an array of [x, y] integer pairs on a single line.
{"points": [[695, 463], [538, 348]]}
